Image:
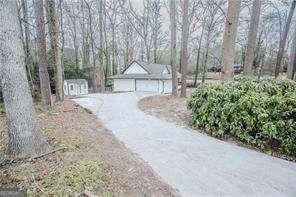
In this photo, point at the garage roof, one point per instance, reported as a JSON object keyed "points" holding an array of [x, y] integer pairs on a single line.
{"points": [[152, 68], [155, 71]]}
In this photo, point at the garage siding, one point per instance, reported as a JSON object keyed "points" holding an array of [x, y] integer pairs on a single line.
{"points": [[125, 85], [167, 86], [146, 85], [142, 85]]}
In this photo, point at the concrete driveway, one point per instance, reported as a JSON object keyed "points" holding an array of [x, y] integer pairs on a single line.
{"points": [[193, 163]]}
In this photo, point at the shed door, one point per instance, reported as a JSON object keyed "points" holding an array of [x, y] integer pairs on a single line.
{"points": [[147, 85]]}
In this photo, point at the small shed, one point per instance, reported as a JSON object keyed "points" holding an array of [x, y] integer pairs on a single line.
{"points": [[75, 87], [144, 77]]}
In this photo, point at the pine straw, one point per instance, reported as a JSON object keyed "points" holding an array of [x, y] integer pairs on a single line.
{"points": [[120, 171]]}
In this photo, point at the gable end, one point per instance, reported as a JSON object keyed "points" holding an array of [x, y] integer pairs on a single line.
{"points": [[135, 68]]}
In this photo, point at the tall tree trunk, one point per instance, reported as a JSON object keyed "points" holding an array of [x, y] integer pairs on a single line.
{"points": [[113, 51], [62, 37], [155, 45], [154, 50], [94, 74], [101, 69], [173, 47], [56, 53], [228, 45], [75, 43], [85, 29], [204, 69], [127, 37], [76, 53], [24, 138], [86, 54], [41, 53], [283, 40], [28, 57], [291, 72], [260, 51], [142, 50], [198, 55], [147, 49], [252, 34], [95, 69], [184, 46], [106, 49]]}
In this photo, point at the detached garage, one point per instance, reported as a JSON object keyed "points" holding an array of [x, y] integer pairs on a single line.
{"points": [[144, 77]]}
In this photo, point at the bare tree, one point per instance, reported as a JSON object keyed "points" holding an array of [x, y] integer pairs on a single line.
{"points": [[252, 34], [114, 10], [199, 53], [144, 27], [284, 39], [173, 47], [55, 47], [24, 138], [62, 35], [96, 72], [228, 45], [184, 46], [85, 28], [197, 63], [156, 24], [41, 53], [212, 20], [291, 72], [27, 38], [129, 35], [107, 70], [128, 49], [72, 23], [101, 70]]}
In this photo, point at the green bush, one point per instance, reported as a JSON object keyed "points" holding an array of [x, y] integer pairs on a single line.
{"points": [[262, 114]]}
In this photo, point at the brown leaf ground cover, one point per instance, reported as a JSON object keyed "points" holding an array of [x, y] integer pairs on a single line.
{"points": [[94, 160], [169, 108]]}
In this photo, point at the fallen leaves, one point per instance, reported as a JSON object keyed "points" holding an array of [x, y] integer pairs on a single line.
{"points": [[90, 148]]}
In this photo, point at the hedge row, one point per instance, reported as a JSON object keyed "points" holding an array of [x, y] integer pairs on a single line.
{"points": [[263, 114]]}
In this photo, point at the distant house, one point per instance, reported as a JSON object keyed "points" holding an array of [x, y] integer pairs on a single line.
{"points": [[75, 87], [144, 77]]}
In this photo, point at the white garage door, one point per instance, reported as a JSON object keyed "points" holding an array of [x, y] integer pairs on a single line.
{"points": [[147, 85], [124, 85]]}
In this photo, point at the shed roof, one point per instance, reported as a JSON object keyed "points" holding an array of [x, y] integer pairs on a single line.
{"points": [[77, 81]]}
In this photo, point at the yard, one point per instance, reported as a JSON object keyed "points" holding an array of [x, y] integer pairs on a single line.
{"points": [[189, 161], [175, 110], [93, 162]]}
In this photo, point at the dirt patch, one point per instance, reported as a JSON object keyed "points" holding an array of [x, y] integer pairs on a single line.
{"points": [[169, 108], [92, 151]]}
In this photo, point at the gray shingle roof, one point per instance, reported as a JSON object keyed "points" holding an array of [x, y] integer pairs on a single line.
{"points": [[155, 71], [77, 81], [152, 68]]}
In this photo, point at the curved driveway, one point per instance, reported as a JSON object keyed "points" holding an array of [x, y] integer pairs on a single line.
{"points": [[193, 163]]}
